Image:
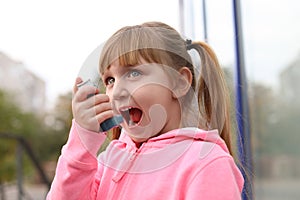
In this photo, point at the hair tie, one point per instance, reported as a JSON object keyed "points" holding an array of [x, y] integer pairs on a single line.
{"points": [[188, 44]]}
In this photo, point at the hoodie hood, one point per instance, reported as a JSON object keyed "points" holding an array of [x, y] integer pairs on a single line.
{"points": [[158, 152]]}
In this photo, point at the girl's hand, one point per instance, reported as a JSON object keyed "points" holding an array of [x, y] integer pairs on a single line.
{"points": [[89, 112]]}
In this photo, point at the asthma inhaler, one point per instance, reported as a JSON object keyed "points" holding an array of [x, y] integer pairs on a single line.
{"points": [[90, 75], [108, 123]]}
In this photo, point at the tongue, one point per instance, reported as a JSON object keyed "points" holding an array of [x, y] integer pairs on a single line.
{"points": [[135, 114]]}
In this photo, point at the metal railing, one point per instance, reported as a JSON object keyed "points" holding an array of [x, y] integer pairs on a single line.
{"points": [[23, 147]]}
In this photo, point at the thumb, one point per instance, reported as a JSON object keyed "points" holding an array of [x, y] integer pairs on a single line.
{"points": [[75, 87]]}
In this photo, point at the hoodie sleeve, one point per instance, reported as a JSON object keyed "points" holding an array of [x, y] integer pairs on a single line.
{"points": [[77, 166], [218, 180]]}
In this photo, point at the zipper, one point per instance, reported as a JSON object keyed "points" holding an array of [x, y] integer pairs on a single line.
{"points": [[133, 156], [116, 178]]}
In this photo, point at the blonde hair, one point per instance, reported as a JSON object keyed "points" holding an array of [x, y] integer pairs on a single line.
{"points": [[157, 42]]}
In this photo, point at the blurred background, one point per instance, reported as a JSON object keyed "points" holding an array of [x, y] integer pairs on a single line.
{"points": [[43, 45]]}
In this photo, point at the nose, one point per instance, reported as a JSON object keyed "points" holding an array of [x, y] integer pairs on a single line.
{"points": [[119, 90]]}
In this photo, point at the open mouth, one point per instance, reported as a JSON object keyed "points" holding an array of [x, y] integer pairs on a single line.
{"points": [[132, 115]]}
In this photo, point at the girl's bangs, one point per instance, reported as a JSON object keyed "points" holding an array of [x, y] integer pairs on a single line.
{"points": [[129, 47]]}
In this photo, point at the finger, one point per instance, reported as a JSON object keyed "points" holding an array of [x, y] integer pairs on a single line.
{"points": [[86, 92], [75, 87], [94, 100], [100, 98], [101, 117], [102, 107]]}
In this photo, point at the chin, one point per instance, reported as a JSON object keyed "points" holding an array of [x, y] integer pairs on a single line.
{"points": [[138, 140]]}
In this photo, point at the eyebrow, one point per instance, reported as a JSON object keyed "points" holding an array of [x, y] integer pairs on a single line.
{"points": [[123, 67]]}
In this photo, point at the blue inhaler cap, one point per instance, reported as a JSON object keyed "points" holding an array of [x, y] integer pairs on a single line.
{"points": [[110, 123]]}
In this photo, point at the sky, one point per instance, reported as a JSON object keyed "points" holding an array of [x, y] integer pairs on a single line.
{"points": [[53, 38]]}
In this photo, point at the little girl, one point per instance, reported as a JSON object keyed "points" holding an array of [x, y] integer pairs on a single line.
{"points": [[174, 141]]}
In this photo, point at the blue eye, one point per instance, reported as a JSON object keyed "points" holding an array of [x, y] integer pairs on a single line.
{"points": [[134, 73]]}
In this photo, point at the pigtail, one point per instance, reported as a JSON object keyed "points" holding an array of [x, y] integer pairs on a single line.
{"points": [[213, 95], [116, 132]]}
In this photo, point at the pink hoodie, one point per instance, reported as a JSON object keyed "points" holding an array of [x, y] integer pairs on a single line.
{"points": [[186, 163]]}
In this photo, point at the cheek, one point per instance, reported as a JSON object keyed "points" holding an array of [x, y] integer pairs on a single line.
{"points": [[141, 97], [152, 94], [111, 99], [108, 93]]}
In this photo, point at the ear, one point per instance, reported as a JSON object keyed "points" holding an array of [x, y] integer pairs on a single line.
{"points": [[183, 83]]}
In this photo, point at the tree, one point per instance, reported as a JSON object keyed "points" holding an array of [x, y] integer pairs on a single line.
{"points": [[58, 122], [13, 121]]}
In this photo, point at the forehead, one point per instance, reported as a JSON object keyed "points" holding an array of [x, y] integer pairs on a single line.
{"points": [[132, 58]]}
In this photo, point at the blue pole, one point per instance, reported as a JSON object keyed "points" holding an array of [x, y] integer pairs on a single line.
{"points": [[242, 113]]}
